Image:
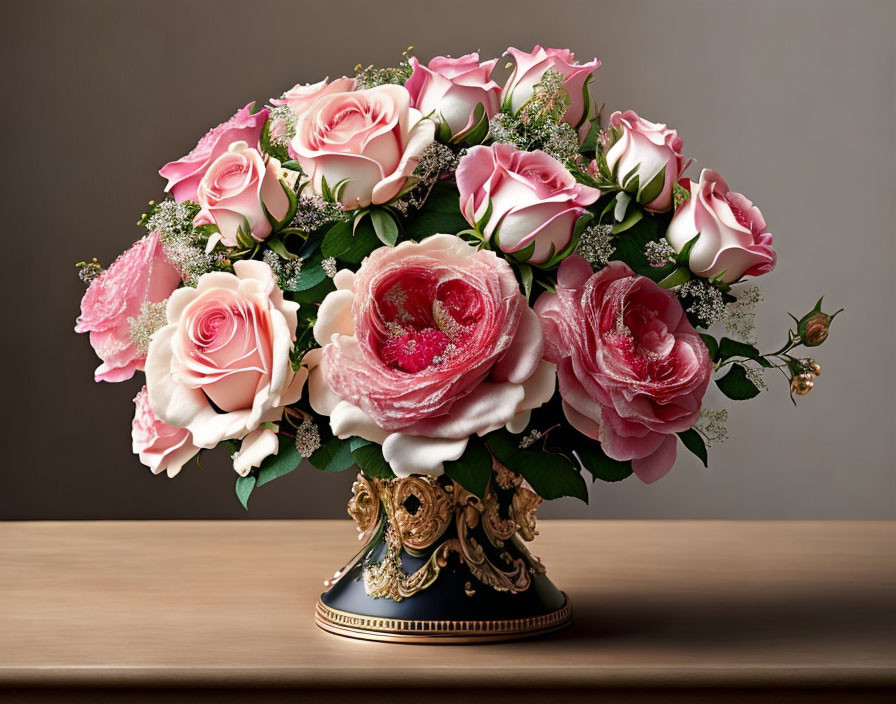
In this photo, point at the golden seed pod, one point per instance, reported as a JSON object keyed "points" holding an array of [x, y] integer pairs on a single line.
{"points": [[802, 383]]}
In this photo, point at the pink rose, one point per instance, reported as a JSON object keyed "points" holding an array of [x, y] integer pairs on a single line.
{"points": [[372, 139], [650, 153], [238, 191], [161, 447], [184, 174], [140, 275], [531, 200], [452, 88], [529, 69], [221, 366], [632, 370], [428, 344], [733, 242], [300, 97]]}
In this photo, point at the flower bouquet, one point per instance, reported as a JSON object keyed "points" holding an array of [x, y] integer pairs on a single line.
{"points": [[478, 294]]}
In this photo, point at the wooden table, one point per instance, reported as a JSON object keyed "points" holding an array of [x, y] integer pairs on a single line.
{"points": [[664, 611]]}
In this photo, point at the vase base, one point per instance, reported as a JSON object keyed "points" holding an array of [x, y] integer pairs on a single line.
{"points": [[394, 630]]}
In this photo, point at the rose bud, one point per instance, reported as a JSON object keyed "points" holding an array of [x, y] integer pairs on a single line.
{"points": [[526, 201], [451, 89], [733, 241], [647, 157], [813, 328], [238, 192]]}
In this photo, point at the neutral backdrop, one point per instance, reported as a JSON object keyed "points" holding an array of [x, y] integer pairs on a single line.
{"points": [[792, 101]]}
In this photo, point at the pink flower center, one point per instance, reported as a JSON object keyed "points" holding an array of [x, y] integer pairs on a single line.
{"points": [[643, 343], [420, 321], [739, 214]]}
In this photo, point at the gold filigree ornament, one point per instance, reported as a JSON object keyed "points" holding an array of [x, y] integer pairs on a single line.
{"points": [[417, 512]]}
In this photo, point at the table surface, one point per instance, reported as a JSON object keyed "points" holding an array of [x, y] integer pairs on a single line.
{"points": [[655, 603]]}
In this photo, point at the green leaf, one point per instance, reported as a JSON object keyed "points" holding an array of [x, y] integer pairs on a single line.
{"points": [[676, 278], [526, 277], [244, 487], [594, 460], [279, 247], [653, 188], [341, 243], [732, 348], [384, 226], [736, 385], [311, 274], [552, 476], [284, 462], [634, 217], [711, 345], [440, 215], [334, 455], [473, 470], [477, 132], [692, 440], [630, 247], [369, 458]]}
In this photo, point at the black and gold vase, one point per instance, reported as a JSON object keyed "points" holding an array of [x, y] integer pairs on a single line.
{"points": [[440, 564]]}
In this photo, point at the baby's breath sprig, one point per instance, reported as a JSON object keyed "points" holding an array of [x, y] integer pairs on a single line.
{"points": [[711, 424], [596, 245], [371, 76], [702, 300], [152, 317], [538, 124], [183, 246], [88, 271], [287, 271], [313, 212]]}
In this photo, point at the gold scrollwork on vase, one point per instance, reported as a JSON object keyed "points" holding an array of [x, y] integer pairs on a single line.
{"points": [[421, 510]]}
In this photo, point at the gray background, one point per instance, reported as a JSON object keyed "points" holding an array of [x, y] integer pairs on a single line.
{"points": [[792, 101]]}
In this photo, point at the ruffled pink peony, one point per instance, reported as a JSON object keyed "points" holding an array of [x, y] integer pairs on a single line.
{"points": [[238, 191], [733, 241], [428, 344], [530, 67], [645, 150], [452, 88], [221, 366], [371, 139], [140, 275], [161, 447], [632, 370], [185, 174], [534, 201]]}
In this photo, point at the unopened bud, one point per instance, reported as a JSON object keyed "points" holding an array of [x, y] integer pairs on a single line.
{"points": [[814, 327]]}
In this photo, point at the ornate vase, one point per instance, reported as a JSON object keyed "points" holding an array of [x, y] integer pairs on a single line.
{"points": [[442, 565]]}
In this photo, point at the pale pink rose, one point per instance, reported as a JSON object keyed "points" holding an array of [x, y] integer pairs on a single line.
{"points": [[531, 200], [372, 138], [632, 370], [161, 447], [185, 174], [140, 275], [649, 152], [450, 89], [240, 188], [530, 67], [300, 96], [221, 366], [428, 344], [733, 241]]}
